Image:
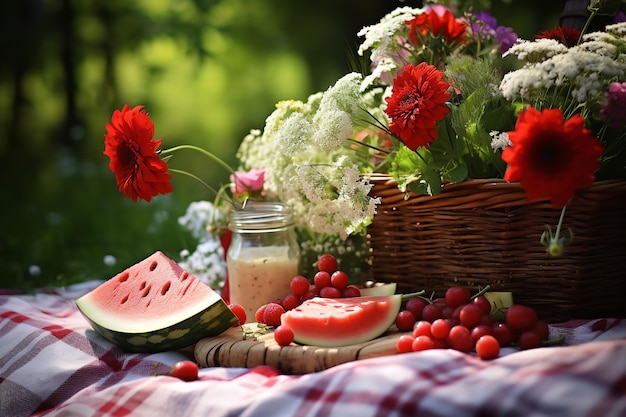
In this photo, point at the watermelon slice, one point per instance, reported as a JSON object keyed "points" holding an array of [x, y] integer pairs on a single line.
{"points": [[155, 306], [334, 322]]}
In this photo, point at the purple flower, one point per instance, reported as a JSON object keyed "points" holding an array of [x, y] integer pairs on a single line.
{"points": [[506, 38], [490, 29], [614, 111], [490, 21]]}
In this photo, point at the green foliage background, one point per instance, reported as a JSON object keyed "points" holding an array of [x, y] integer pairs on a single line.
{"points": [[207, 71]]}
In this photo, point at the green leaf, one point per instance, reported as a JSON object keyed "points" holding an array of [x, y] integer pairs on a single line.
{"points": [[432, 178], [419, 187], [458, 173]]}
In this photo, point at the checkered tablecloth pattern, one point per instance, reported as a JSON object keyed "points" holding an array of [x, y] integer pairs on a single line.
{"points": [[53, 364]]}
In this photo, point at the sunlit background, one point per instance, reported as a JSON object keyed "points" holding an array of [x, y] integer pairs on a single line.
{"points": [[207, 71]]}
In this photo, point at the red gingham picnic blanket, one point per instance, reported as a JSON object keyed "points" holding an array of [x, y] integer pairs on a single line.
{"points": [[53, 364]]}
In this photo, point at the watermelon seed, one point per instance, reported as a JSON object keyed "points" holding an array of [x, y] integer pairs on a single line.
{"points": [[165, 288], [184, 276], [186, 288], [153, 265], [142, 285], [124, 299], [123, 277], [146, 291]]}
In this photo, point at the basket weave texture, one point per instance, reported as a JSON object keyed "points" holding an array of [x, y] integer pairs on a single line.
{"points": [[481, 232]]}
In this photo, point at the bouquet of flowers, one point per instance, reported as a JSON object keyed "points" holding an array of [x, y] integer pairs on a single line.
{"points": [[448, 98]]}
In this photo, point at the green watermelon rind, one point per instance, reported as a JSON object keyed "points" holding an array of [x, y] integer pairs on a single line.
{"points": [[210, 322], [382, 289], [364, 336]]}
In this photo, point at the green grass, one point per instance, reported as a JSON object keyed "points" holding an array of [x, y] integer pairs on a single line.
{"points": [[61, 216]]}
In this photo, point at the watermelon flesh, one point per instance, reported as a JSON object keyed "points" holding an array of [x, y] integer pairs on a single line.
{"points": [[334, 322], [155, 305]]}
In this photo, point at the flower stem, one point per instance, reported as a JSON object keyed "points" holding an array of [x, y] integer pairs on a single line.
{"points": [[558, 226], [203, 151], [179, 171], [593, 12]]}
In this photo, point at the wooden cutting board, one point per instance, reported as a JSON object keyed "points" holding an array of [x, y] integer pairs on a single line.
{"points": [[230, 350]]}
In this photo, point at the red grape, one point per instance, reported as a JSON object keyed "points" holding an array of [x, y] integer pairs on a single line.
{"points": [[299, 285], [483, 303], [486, 320], [415, 305], [460, 339], [405, 320], [291, 301], [327, 262], [313, 291], [258, 316], [330, 292], [422, 343], [520, 317], [272, 313], [440, 328], [431, 312], [503, 334], [339, 279], [449, 312], [481, 330], [440, 302], [321, 279], [283, 335], [529, 339], [422, 328], [405, 343], [470, 315], [240, 312], [487, 347], [351, 291], [457, 295]]}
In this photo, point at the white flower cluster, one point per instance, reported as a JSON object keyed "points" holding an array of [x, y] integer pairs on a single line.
{"points": [[382, 38], [303, 151], [558, 76], [388, 44], [536, 51], [207, 261], [499, 140]]}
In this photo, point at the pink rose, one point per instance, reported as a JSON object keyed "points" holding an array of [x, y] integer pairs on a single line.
{"points": [[250, 181]]}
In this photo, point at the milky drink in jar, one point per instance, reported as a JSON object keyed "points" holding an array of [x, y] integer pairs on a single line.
{"points": [[263, 255], [260, 275]]}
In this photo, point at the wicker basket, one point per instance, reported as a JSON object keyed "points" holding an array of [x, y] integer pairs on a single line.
{"points": [[481, 232]]}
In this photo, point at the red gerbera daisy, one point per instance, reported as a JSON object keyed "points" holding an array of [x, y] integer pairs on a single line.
{"points": [[567, 36], [139, 170], [417, 102], [551, 157], [438, 23]]}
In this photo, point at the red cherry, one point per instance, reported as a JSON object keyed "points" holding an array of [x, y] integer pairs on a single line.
{"points": [[185, 370]]}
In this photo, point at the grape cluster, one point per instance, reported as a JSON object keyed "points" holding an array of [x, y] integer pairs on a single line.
{"points": [[328, 282], [464, 322]]}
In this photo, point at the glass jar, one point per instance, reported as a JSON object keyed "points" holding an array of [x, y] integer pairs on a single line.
{"points": [[263, 255]]}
